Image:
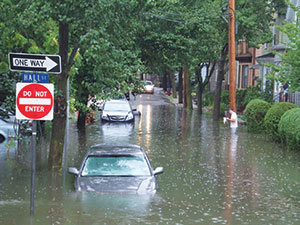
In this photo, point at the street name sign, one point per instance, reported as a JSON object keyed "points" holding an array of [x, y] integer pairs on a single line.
{"points": [[35, 77], [34, 62], [34, 101]]}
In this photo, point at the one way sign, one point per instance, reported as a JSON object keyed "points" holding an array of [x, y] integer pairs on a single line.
{"points": [[34, 62]]}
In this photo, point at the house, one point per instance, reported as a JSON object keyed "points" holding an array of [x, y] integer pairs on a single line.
{"points": [[247, 68], [278, 44]]}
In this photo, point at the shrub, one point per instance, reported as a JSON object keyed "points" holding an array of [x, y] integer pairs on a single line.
{"points": [[240, 96], [208, 98], [251, 94], [289, 128], [225, 97], [255, 113], [273, 117], [223, 109]]}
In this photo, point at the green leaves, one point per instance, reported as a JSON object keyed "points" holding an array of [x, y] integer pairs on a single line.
{"points": [[289, 69]]}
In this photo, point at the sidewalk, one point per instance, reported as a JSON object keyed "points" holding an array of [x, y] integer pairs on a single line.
{"points": [[175, 102]]}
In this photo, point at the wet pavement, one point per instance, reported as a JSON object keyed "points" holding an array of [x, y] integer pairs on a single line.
{"points": [[212, 176]]}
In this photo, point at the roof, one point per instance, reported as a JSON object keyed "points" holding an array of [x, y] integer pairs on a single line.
{"points": [[105, 149], [266, 58], [268, 55], [117, 101]]}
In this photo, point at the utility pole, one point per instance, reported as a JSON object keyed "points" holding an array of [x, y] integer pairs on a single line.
{"points": [[232, 66]]}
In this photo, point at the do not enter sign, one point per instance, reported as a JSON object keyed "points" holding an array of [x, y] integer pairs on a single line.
{"points": [[34, 101]]}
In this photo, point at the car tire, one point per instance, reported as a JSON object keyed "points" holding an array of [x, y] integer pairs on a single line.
{"points": [[2, 138]]}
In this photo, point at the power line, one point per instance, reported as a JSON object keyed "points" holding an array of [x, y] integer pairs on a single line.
{"points": [[204, 17]]}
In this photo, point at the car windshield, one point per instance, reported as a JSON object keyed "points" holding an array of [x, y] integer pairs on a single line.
{"points": [[124, 165], [148, 83], [110, 106]]}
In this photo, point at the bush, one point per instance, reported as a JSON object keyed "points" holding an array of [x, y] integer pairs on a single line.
{"points": [[225, 97], [223, 109], [273, 117], [289, 128], [208, 99], [251, 94], [240, 96], [255, 113]]}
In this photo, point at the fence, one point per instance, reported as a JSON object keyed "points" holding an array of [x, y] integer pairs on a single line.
{"points": [[292, 97]]}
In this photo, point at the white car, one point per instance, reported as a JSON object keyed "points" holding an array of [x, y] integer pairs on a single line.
{"points": [[8, 128], [149, 87], [117, 111]]}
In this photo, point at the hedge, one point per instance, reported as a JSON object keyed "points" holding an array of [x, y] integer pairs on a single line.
{"points": [[255, 113], [273, 117], [289, 128]]}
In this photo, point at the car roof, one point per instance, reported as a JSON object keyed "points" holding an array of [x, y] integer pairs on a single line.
{"points": [[105, 149], [117, 101]]}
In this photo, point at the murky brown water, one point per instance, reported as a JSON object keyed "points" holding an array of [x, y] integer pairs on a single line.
{"points": [[212, 176]]}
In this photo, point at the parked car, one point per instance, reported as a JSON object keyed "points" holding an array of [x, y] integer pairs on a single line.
{"points": [[117, 111], [8, 128], [116, 168], [149, 87]]}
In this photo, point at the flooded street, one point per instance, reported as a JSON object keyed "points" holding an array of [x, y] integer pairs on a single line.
{"points": [[212, 176]]}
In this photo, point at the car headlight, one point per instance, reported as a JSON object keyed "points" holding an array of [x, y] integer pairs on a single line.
{"points": [[130, 116], [104, 116]]}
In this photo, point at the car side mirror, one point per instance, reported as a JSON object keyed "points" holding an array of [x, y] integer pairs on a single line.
{"points": [[158, 170], [73, 171], [136, 113]]}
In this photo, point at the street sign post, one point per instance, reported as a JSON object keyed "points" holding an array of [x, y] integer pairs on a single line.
{"points": [[34, 62], [34, 101]]}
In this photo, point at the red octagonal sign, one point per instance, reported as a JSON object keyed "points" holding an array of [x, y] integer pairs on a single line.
{"points": [[34, 101]]}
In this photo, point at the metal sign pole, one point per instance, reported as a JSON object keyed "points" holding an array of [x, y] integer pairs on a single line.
{"points": [[33, 169]]}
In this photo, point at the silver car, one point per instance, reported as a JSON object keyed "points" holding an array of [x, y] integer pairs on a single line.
{"points": [[118, 169], [149, 87], [117, 111], [8, 128]]}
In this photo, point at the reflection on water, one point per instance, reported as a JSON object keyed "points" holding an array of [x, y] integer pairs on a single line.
{"points": [[232, 150], [116, 132], [128, 203], [212, 176]]}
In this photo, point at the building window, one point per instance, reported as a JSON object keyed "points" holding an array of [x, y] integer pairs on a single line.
{"points": [[245, 73]]}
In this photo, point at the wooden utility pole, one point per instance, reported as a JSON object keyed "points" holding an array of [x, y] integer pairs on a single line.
{"points": [[232, 66]]}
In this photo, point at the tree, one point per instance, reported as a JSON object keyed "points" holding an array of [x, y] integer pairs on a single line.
{"points": [[69, 27], [180, 34], [86, 24], [289, 68], [254, 22]]}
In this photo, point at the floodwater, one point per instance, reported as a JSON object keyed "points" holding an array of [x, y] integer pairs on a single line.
{"points": [[212, 175]]}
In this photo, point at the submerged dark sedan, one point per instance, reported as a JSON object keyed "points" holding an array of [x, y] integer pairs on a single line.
{"points": [[115, 168]]}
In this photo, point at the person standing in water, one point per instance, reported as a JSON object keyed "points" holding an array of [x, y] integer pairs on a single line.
{"points": [[232, 118]]}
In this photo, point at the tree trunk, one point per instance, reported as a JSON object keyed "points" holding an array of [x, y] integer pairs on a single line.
{"points": [[188, 89], [180, 96], [200, 88], [174, 94], [165, 82], [220, 77], [81, 119], [169, 79], [184, 86], [59, 121]]}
